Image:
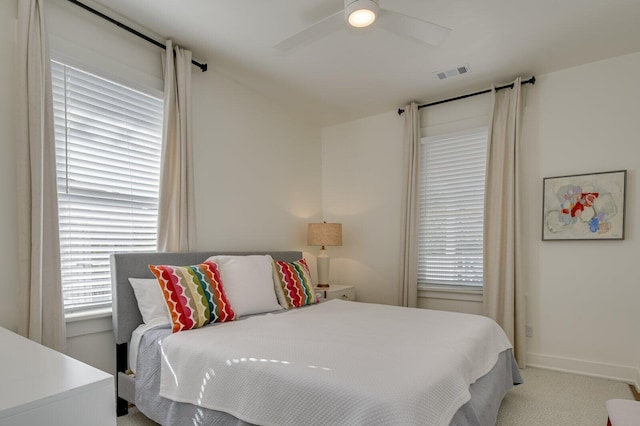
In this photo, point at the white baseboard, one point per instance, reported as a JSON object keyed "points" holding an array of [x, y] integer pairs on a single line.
{"points": [[619, 373], [637, 383]]}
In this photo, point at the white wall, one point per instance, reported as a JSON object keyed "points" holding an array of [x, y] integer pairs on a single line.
{"points": [[257, 175], [9, 305], [360, 189], [638, 372], [257, 169], [582, 296]]}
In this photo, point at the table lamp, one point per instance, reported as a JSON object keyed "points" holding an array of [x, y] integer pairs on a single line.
{"points": [[324, 234]]}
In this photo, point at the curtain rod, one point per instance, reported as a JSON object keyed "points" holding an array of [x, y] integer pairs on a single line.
{"points": [[203, 67], [531, 81]]}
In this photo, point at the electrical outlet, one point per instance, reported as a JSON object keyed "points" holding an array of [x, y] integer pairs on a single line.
{"points": [[528, 331]]}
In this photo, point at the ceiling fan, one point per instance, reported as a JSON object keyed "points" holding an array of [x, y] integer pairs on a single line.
{"points": [[361, 14]]}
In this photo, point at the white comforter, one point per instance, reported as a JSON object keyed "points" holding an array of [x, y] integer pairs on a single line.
{"points": [[334, 363]]}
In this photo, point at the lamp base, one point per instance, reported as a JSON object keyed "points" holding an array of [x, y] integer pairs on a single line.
{"points": [[323, 268]]}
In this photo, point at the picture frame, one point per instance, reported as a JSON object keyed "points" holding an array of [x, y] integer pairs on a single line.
{"points": [[588, 206]]}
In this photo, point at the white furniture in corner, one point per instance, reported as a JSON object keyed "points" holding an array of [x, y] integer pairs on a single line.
{"points": [[40, 386], [337, 291]]}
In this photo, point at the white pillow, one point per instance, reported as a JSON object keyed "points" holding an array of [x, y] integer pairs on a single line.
{"points": [[150, 300], [248, 283]]}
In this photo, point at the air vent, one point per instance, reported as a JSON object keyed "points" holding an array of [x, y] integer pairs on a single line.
{"points": [[460, 70]]}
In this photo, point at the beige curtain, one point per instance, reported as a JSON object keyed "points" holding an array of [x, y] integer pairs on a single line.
{"points": [[176, 211], [39, 241], [503, 281], [409, 244]]}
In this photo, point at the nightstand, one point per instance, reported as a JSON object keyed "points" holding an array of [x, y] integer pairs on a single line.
{"points": [[337, 291]]}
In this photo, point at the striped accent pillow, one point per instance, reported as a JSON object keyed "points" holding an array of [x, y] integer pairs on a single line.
{"points": [[193, 294], [293, 284]]}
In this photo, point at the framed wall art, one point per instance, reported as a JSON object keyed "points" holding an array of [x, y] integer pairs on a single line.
{"points": [[584, 207]]}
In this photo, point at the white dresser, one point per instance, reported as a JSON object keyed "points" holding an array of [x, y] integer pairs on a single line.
{"points": [[39, 386]]}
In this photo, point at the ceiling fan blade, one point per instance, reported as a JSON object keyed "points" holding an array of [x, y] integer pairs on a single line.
{"points": [[316, 31], [408, 26]]}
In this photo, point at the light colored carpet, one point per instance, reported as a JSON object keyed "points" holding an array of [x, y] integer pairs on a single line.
{"points": [[550, 398], [547, 398], [134, 418]]}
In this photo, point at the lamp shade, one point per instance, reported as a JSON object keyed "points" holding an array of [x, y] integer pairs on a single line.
{"points": [[324, 234]]}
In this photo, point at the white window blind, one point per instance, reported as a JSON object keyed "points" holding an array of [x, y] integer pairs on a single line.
{"points": [[108, 145], [452, 176]]}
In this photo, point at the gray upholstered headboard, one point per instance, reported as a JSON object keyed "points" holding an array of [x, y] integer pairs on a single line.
{"points": [[126, 315]]}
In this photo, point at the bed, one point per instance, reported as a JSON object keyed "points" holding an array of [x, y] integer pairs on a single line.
{"points": [[334, 362]]}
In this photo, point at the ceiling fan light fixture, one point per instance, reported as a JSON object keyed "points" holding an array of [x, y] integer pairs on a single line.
{"points": [[403, 25], [360, 13]]}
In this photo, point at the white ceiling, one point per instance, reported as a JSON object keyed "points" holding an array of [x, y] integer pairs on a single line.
{"points": [[349, 75]]}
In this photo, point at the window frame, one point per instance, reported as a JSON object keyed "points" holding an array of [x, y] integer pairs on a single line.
{"points": [[441, 289], [129, 143]]}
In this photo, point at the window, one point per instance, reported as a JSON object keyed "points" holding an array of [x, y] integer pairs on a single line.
{"points": [[108, 144], [452, 175]]}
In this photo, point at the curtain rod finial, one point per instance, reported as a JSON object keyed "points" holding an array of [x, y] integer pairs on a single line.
{"points": [[400, 111]]}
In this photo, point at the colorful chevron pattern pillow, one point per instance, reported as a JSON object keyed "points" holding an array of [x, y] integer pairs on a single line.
{"points": [[292, 281], [194, 295]]}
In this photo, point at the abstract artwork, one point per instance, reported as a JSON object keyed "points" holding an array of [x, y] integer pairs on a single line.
{"points": [[584, 207]]}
